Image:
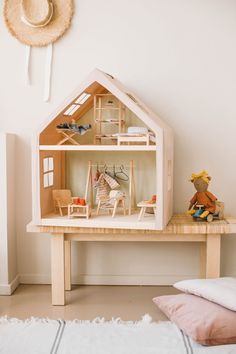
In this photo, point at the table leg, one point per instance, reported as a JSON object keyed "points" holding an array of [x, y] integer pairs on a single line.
{"points": [[98, 207], [68, 211], [58, 269], [114, 209], [213, 256], [67, 265], [203, 260], [123, 204], [142, 213]]}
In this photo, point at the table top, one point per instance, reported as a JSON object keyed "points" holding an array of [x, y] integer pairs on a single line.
{"points": [[179, 224], [78, 205], [146, 204]]}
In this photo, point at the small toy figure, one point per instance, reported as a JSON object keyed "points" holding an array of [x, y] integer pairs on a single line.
{"points": [[203, 204]]}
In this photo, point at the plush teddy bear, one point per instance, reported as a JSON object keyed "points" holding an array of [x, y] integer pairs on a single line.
{"points": [[202, 197]]}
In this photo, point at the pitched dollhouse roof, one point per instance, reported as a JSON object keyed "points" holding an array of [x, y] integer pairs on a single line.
{"points": [[97, 79]]}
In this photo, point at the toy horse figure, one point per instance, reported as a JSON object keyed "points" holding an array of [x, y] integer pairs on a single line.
{"points": [[204, 205]]}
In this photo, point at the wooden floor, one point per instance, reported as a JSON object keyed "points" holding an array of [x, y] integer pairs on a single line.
{"points": [[85, 302]]}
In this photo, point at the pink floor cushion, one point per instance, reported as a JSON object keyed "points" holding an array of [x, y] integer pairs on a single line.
{"points": [[204, 321]]}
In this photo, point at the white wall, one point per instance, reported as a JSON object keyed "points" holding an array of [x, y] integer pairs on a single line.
{"points": [[179, 56]]}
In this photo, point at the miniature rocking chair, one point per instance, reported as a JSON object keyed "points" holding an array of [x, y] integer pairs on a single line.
{"points": [[112, 202]]}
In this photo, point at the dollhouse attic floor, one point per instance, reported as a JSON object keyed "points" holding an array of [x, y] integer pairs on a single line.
{"points": [[103, 220]]}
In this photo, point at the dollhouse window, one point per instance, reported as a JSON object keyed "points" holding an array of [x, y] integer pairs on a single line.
{"points": [[76, 105], [72, 109], [48, 172], [82, 98]]}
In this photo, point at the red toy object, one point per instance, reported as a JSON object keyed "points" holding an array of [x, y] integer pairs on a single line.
{"points": [[79, 201], [153, 199], [82, 202]]}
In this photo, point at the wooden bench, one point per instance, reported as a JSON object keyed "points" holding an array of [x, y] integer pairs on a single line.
{"points": [[181, 228]]}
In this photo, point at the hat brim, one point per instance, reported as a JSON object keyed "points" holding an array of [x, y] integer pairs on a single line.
{"points": [[42, 36]]}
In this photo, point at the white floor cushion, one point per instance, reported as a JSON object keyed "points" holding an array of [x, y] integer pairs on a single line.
{"points": [[222, 291]]}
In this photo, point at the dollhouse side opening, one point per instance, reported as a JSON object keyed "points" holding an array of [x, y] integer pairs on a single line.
{"points": [[126, 174], [104, 154]]}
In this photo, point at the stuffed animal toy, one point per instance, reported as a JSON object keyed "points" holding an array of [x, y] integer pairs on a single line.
{"points": [[202, 198]]}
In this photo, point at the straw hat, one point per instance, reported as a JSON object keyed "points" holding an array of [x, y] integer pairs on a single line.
{"points": [[38, 22]]}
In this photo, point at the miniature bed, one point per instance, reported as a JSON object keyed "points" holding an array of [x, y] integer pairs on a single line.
{"points": [[103, 129]]}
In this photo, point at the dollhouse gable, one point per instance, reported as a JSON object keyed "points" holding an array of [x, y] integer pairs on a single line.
{"points": [[103, 128], [98, 82]]}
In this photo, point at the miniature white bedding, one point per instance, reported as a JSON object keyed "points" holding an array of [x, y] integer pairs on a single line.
{"points": [[222, 291]]}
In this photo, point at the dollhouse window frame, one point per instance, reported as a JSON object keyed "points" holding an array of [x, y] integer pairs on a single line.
{"points": [[48, 172]]}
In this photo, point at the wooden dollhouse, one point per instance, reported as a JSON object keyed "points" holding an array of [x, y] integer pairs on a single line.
{"points": [[103, 159]]}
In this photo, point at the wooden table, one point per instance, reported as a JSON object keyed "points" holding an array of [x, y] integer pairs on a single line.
{"points": [[85, 213], [181, 228]]}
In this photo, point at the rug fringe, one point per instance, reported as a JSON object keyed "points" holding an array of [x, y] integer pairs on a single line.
{"points": [[6, 319], [146, 319]]}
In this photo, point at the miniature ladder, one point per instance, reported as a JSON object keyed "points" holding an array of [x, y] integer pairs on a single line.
{"points": [[132, 190], [101, 121]]}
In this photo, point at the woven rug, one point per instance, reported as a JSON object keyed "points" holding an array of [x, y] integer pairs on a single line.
{"points": [[44, 336]]}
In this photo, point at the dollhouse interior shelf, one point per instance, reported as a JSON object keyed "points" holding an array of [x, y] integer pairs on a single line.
{"points": [[98, 147]]}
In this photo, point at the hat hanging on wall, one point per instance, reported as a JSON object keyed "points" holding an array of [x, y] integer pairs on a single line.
{"points": [[38, 23]]}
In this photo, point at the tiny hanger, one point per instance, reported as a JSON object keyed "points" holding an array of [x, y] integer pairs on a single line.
{"points": [[110, 172], [121, 174]]}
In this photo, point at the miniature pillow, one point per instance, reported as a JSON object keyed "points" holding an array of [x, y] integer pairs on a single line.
{"points": [[222, 291], [137, 130], [205, 322]]}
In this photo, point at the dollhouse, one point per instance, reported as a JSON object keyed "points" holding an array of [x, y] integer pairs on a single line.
{"points": [[103, 159]]}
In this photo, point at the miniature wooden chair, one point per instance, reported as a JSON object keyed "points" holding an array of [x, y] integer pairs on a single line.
{"points": [[62, 198], [112, 202], [144, 205]]}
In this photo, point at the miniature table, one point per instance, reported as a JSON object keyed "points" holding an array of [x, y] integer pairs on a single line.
{"points": [[181, 228], [67, 136], [144, 205], [85, 213]]}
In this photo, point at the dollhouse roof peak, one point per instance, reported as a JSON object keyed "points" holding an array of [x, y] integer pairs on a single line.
{"points": [[115, 87]]}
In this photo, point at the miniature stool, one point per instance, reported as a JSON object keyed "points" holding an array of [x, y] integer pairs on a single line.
{"points": [[143, 205], [84, 213]]}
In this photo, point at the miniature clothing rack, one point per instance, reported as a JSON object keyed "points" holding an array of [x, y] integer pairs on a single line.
{"points": [[132, 191]]}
